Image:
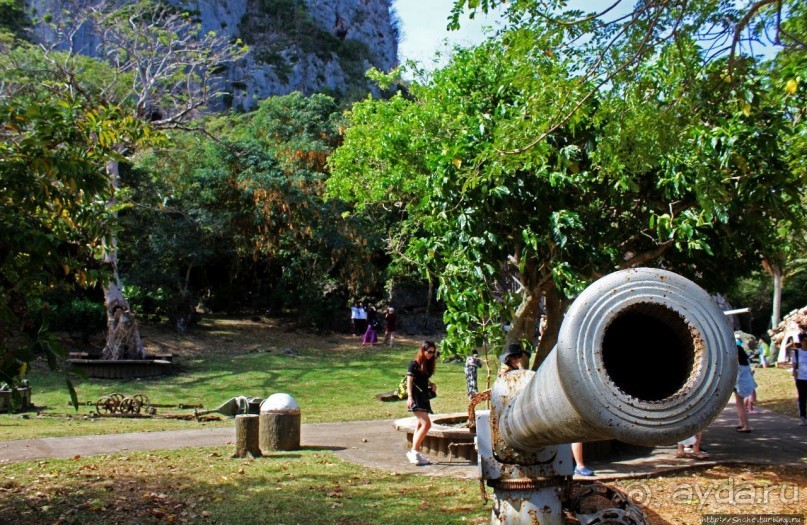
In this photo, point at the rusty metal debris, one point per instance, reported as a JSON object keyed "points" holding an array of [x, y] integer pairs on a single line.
{"points": [[118, 404], [475, 400], [139, 406], [598, 504]]}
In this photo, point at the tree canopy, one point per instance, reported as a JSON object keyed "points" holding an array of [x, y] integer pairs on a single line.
{"points": [[565, 147], [618, 37], [53, 217], [241, 219], [511, 201]]}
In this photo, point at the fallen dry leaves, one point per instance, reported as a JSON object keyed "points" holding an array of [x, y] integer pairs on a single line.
{"points": [[683, 498]]}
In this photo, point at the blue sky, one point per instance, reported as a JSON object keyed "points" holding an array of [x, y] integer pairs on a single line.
{"points": [[423, 24], [424, 28]]}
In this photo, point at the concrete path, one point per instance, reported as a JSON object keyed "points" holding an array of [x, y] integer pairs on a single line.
{"points": [[776, 440]]}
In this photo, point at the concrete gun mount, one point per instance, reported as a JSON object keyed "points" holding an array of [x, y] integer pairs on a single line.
{"points": [[644, 356]]}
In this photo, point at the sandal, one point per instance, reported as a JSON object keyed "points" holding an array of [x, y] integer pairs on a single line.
{"points": [[700, 455], [744, 430], [685, 455]]}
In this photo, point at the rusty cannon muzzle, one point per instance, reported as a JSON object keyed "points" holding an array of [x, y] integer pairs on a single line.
{"points": [[644, 356]]}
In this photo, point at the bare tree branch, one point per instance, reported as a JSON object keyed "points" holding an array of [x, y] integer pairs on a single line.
{"points": [[592, 16], [742, 24]]}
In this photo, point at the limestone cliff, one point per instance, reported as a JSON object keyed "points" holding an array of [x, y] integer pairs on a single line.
{"points": [[295, 45]]}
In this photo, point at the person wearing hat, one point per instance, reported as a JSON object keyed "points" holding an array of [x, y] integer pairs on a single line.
{"points": [[514, 358]]}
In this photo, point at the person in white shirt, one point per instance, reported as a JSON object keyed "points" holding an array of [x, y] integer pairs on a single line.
{"points": [[361, 320], [799, 360], [354, 315]]}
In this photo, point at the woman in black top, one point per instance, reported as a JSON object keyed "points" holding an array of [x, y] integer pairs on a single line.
{"points": [[418, 401]]}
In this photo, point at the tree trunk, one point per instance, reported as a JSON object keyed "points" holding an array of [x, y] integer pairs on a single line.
{"points": [[554, 317], [428, 303], [123, 338], [429, 296], [775, 269], [526, 317], [776, 314]]}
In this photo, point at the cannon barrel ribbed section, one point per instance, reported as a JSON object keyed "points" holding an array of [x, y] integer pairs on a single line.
{"points": [[644, 356]]}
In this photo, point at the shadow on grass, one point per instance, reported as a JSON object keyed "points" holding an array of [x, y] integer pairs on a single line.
{"points": [[322, 448], [336, 383], [782, 406], [309, 488]]}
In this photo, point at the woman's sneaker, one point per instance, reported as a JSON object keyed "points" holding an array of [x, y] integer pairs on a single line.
{"points": [[803, 422], [416, 458]]}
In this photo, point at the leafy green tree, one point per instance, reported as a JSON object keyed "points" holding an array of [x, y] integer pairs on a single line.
{"points": [[310, 238], [157, 64], [785, 257], [174, 228], [249, 206], [13, 20], [53, 217], [665, 166]]}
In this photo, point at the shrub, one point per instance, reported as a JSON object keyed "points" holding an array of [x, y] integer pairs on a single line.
{"points": [[78, 316]]}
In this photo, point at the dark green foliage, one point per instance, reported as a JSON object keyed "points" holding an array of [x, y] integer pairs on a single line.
{"points": [[13, 18], [79, 316], [240, 223], [281, 66], [54, 220], [755, 292], [509, 205], [179, 234]]}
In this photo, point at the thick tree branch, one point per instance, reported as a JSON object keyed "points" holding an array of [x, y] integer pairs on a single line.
{"points": [[647, 256]]}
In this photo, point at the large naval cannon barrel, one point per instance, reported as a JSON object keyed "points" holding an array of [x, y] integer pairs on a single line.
{"points": [[644, 356]]}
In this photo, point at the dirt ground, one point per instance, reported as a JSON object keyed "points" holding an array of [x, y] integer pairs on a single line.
{"points": [[686, 497]]}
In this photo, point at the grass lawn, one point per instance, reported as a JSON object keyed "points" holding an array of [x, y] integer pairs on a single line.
{"points": [[332, 378], [776, 390], [305, 487], [312, 487]]}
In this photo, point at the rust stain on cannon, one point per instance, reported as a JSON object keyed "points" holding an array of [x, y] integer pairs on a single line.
{"points": [[535, 519]]}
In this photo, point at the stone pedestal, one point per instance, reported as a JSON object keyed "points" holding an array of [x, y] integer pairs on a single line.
{"points": [[280, 423], [24, 401]]}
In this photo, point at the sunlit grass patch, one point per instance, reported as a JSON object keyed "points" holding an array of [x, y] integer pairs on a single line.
{"points": [[190, 485]]}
